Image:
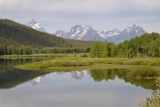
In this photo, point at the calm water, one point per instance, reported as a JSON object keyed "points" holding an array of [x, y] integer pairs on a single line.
{"points": [[87, 88]]}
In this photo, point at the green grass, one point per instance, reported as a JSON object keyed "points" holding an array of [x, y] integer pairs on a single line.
{"points": [[144, 72], [76, 62], [143, 61]]}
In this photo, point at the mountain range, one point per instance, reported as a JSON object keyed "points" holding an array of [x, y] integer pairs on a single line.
{"points": [[87, 33], [73, 74]]}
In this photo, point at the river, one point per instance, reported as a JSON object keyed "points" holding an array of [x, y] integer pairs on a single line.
{"points": [[86, 88]]}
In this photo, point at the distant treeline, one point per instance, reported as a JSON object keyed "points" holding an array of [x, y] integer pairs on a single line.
{"points": [[145, 45], [11, 50]]}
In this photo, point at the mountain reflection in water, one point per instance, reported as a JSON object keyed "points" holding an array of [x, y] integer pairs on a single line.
{"points": [[71, 89]]}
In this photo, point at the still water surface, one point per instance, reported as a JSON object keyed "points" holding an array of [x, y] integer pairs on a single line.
{"points": [[87, 88]]}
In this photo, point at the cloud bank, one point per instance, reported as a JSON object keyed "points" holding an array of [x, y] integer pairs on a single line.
{"points": [[102, 14]]}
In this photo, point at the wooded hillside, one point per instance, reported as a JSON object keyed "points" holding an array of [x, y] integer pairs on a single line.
{"points": [[16, 38]]}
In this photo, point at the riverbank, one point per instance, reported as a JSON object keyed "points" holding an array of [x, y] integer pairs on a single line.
{"points": [[76, 62], [141, 68]]}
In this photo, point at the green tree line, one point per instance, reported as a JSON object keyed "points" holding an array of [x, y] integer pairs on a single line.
{"points": [[145, 45], [11, 50]]}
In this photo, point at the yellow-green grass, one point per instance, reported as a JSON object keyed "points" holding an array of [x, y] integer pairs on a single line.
{"points": [[76, 63], [144, 72], [66, 55]]}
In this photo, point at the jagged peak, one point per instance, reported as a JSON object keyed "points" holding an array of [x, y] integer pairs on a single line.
{"points": [[77, 26], [88, 27], [132, 28], [88, 33], [32, 22], [35, 25]]}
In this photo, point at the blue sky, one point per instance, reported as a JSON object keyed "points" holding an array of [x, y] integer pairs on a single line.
{"points": [[100, 14]]}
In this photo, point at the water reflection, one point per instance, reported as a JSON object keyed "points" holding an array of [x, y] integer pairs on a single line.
{"points": [[86, 88], [111, 74], [36, 80], [13, 62], [69, 89], [11, 77], [77, 74]]}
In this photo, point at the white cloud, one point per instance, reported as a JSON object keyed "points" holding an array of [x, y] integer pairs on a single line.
{"points": [[79, 10], [79, 6]]}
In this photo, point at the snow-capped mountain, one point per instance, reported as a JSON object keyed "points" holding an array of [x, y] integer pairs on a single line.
{"points": [[109, 33], [36, 25], [80, 33], [89, 34], [128, 33]]}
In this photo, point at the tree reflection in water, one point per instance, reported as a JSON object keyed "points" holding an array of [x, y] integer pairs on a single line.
{"points": [[111, 74], [10, 78]]}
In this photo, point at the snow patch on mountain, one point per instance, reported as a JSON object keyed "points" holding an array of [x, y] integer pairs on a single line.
{"points": [[36, 25], [87, 33]]}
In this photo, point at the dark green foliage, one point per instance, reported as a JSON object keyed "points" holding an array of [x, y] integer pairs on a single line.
{"points": [[124, 74], [145, 45], [19, 39], [52, 50], [96, 49], [103, 50], [27, 36], [11, 78], [99, 75]]}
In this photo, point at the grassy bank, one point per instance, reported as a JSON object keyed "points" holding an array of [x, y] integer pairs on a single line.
{"points": [[84, 63]]}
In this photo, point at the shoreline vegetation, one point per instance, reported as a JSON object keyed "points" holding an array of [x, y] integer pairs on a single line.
{"points": [[142, 68], [31, 56], [154, 99]]}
